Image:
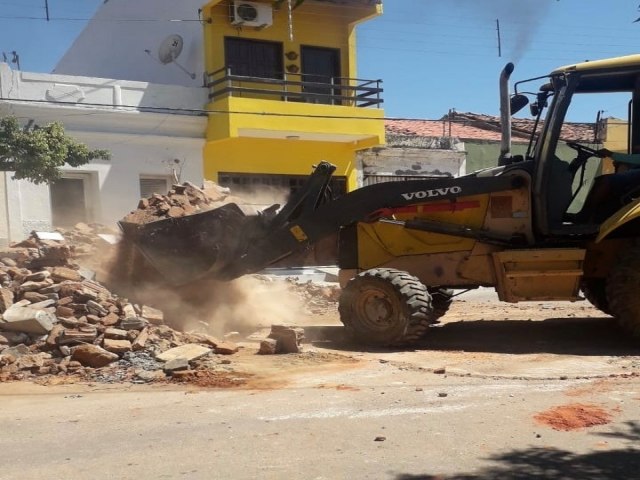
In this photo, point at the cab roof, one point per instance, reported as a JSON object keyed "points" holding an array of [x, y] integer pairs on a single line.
{"points": [[627, 61]]}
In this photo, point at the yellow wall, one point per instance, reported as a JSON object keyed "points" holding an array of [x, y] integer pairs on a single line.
{"points": [[615, 139], [327, 25], [617, 136], [293, 157], [284, 118], [248, 134]]}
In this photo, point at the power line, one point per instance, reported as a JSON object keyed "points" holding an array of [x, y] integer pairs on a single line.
{"points": [[205, 112]]}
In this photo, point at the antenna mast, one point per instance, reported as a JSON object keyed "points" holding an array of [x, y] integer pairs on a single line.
{"points": [[499, 41]]}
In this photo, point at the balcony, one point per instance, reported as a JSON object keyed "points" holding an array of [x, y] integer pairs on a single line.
{"points": [[296, 87]]}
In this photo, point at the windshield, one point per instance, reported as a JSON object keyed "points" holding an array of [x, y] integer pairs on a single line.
{"points": [[567, 149]]}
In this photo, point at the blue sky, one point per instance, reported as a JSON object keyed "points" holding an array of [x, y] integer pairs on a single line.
{"points": [[432, 55]]}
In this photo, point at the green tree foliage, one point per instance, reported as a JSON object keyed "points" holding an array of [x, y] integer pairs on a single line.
{"points": [[37, 153]]}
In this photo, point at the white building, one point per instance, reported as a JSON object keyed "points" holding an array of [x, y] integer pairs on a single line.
{"points": [[159, 41], [152, 131]]}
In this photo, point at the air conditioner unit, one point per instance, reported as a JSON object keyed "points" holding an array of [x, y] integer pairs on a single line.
{"points": [[251, 14]]}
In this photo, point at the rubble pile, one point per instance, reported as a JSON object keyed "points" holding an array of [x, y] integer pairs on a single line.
{"points": [[54, 321], [182, 200], [317, 297], [58, 321]]}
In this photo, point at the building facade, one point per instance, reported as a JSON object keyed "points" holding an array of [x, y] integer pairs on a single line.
{"points": [[284, 93], [155, 134]]}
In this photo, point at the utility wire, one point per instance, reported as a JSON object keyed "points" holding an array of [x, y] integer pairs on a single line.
{"points": [[206, 112]]}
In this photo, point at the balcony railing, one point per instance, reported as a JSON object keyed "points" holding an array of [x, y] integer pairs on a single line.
{"points": [[297, 87]]}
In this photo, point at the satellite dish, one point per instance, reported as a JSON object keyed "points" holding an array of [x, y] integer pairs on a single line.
{"points": [[170, 49]]}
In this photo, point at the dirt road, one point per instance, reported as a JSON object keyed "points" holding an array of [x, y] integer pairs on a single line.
{"points": [[498, 391]]}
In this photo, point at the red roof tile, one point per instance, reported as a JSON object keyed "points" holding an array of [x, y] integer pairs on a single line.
{"points": [[471, 126]]}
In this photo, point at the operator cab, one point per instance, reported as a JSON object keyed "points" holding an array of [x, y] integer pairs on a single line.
{"points": [[568, 161]]}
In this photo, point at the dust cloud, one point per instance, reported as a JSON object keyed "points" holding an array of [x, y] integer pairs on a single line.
{"points": [[204, 305], [261, 196], [241, 305]]}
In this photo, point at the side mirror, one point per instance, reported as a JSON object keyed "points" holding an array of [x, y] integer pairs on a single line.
{"points": [[518, 102]]}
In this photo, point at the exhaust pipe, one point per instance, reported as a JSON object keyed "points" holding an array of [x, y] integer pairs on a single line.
{"points": [[505, 115]]}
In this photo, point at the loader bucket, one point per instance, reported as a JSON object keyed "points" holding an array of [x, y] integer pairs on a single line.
{"points": [[186, 248]]}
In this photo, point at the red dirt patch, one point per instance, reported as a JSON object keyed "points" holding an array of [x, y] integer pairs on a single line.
{"points": [[573, 416]]}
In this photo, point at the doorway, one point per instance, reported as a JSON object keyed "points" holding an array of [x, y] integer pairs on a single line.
{"points": [[68, 201], [321, 66]]}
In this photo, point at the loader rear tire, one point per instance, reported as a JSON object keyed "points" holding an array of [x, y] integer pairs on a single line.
{"points": [[595, 291], [623, 287], [386, 307], [441, 299]]}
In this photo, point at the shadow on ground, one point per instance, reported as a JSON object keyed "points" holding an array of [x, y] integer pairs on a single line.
{"points": [[545, 463], [567, 336]]}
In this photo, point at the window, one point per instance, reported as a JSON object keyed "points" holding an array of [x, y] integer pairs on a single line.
{"points": [[150, 185], [253, 58]]}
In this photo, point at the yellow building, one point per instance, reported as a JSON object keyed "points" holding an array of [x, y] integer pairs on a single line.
{"points": [[284, 92], [613, 133]]}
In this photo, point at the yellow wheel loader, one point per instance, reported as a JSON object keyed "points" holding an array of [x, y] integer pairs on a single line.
{"points": [[527, 227]]}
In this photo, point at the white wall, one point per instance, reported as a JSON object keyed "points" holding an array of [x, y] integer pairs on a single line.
{"points": [[413, 156], [112, 47], [144, 138], [4, 213]]}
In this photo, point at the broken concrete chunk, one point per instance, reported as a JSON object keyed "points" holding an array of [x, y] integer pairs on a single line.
{"points": [[42, 305], [97, 309], [54, 334], [128, 311], [202, 338], [35, 297], [84, 295], [28, 320], [153, 315], [27, 362], [110, 319], [17, 351], [176, 365], [116, 346], [226, 348], [189, 351], [93, 356], [150, 376], [33, 286], [268, 346], [115, 333], [37, 276], [289, 339], [9, 262], [52, 289], [64, 312], [140, 341], [6, 299], [133, 323], [60, 274], [83, 334]]}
